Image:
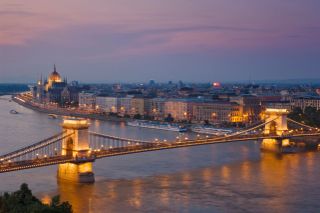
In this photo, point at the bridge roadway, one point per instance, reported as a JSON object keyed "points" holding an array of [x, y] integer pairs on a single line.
{"points": [[138, 148], [146, 147]]}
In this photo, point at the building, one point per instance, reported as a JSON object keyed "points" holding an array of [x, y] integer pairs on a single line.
{"points": [[250, 107], [178, 109], [137, 106], [87, 100], [55, 90], [107, 104], [306, 101], [216, 112], [156, 108], [124, 105]]}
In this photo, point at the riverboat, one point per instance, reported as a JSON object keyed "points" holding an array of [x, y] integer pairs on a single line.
{"points": [[157, 125], [210, 130], [52, 116], [13, 112]]}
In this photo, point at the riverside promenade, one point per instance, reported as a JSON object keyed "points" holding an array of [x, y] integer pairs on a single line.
{"points": [[72, 112]]}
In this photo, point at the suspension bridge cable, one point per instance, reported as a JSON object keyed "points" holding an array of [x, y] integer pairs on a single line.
{"points": [[301, 124], [247, 130], [33, 147], [117, 138]]}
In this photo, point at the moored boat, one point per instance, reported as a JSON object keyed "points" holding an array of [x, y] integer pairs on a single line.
{"points": [[53, 116], [210, 130], [13, 112], [157, 125]]}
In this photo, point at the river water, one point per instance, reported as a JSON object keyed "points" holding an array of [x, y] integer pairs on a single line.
{"points": [[233, 177]]}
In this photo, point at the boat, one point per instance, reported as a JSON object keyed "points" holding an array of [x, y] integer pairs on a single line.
{"points": [[210, 130], [13, 112], [53, 116], [157, 125]]}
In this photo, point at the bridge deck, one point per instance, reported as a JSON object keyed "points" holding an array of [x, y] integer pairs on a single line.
{"points": [[187, 143], [135, 148]]}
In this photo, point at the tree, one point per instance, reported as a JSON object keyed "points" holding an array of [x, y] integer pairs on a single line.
{"points": [[23, 201], [148, 117], [126, 116], [169, 118], [137, 116], [310, 116], [296, 114]]}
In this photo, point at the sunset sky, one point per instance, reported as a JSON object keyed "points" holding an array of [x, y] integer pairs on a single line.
{"points": [[139, 40]]}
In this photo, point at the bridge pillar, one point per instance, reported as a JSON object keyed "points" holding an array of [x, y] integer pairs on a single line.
{"points": [[276, 120], [76, 146]]}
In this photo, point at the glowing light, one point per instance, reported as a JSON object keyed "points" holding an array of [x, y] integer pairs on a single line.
{"points": [[216, 84]]}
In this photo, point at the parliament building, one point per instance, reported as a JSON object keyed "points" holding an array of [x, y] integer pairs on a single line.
{"points": [[55, 90]]}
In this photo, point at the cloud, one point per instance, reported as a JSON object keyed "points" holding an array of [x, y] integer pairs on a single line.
{"points": [[16, 13]]}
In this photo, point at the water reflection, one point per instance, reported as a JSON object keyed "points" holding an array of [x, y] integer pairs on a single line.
{"points": [[79, 195], [135, 199], [234, 187], [164, 194]]}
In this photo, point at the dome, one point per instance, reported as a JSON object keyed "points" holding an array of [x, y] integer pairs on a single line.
{"points": [[54, 76]]}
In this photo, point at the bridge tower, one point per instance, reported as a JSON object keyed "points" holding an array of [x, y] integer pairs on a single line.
{"points": [[76, 146], [276, 125]]}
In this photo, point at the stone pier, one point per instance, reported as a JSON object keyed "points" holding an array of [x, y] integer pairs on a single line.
{"points": [[76, 145], [276, 125]]}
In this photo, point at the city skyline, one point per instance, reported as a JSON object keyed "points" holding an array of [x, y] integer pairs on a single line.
{"points": [[134, 42]]}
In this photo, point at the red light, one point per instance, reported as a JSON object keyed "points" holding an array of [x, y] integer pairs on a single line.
{"points": [[216, 84]]}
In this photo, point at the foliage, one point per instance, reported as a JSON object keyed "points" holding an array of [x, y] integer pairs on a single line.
{"points": [[148, 117], [137, 116], [112, 114], [310, 116], [23, 201], [169, 118], [206, 122], [126, 116]]}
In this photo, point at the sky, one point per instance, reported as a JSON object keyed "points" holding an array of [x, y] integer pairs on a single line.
{"points": [[138, 40]]}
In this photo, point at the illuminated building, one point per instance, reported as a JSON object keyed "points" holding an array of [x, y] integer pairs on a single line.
{"points": [[250, 107], [179, 109], [124, 106], [155, 108], [306, 101], [137, 106], [107, 104], [87, 100], [216, 112], [55, 90]]}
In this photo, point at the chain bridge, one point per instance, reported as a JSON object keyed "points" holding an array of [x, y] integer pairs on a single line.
{"points": [[76, 148]]}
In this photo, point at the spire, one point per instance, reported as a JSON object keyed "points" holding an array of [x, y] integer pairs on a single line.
{"points": [[54, 68]]}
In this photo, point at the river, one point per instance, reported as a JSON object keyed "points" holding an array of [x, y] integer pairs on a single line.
{"points": [[233, 177]]}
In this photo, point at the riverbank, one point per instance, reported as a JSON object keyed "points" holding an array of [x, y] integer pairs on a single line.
{"points": [[65, 112], [27, 102]]}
